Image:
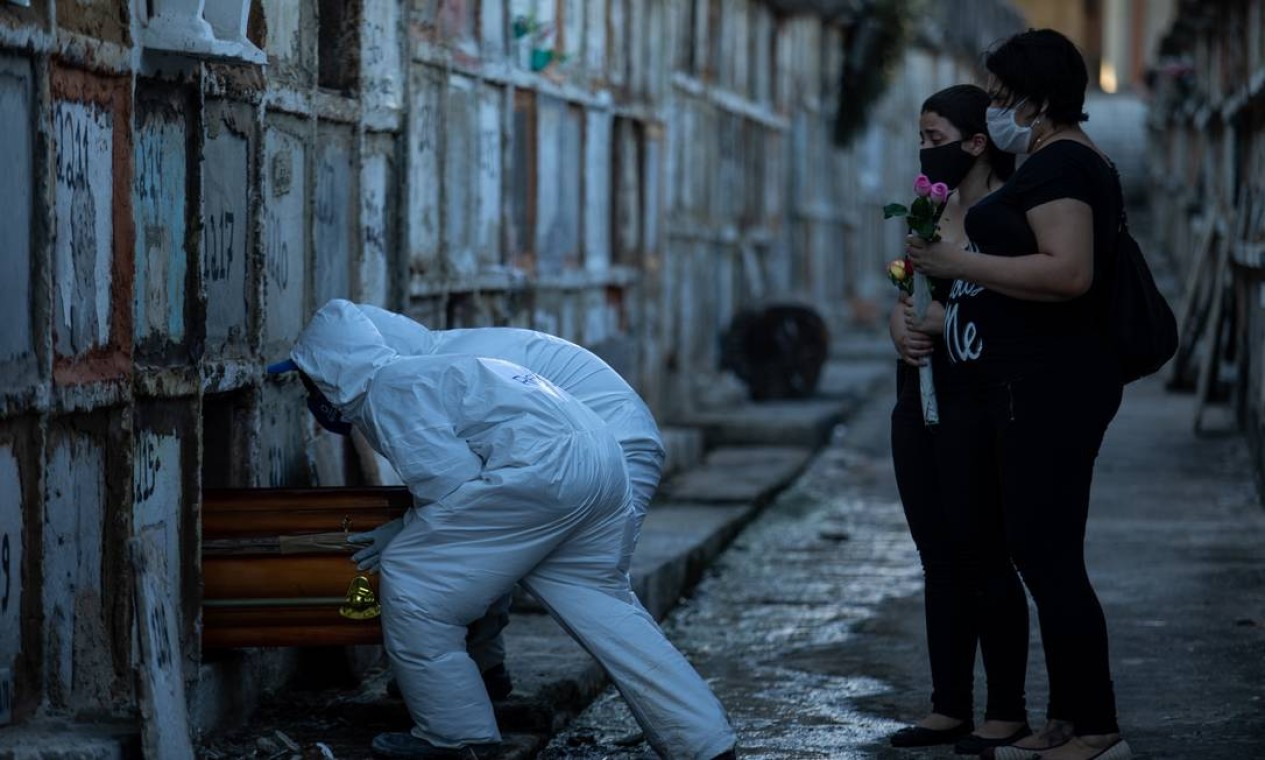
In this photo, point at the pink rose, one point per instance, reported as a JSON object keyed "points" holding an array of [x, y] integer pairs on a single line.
{"points": [[939, 192], [922, 186]]}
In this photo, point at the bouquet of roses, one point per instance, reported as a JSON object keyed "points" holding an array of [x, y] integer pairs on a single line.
{"points": [[923, 219]]}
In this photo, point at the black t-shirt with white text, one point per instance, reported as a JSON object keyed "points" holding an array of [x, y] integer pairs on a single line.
{"points": [[990, 337]]}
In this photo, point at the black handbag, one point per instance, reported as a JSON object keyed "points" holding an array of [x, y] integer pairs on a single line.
{"points": [[1141, 325]]}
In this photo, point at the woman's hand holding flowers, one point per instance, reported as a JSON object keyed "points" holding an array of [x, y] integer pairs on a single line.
{"points": [[938, 259]]}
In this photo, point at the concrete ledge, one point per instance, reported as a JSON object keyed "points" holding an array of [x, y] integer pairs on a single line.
{"points": [[54, 740], [678, 542], [684, 448], [750, 474], [845, 384], [771, 423]]}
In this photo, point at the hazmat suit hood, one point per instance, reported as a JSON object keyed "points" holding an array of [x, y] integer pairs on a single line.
{"points": [[407, 336], [341, 351]]}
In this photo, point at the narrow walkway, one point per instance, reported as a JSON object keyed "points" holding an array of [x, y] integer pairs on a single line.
{"points": [[811, 629], [1176, 549]]}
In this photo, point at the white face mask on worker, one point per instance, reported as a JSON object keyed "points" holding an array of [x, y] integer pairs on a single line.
{"points": [[1007, 133]]}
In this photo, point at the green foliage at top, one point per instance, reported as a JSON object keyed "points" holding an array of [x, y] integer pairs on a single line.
{"points": [[872, 44]]}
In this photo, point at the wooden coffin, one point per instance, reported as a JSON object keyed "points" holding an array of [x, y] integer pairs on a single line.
{"points": [[277, 571]]}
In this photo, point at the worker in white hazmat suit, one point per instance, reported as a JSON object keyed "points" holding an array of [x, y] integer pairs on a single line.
{"points": [[580, 373], [514, 481]]}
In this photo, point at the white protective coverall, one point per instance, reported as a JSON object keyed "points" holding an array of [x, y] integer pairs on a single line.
{"points": [[572, 368], [518, 482]]}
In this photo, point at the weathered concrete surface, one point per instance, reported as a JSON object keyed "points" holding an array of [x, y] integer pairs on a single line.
{"points": [[812, 633], [772, 422], [847, 380], [64, 741], [739, 474]]}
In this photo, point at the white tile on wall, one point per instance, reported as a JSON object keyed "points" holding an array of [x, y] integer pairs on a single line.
{"points": [[598, 134], [285, 189], [158, 205], [423, 187], [489, 150], [75, 637], [17, 340], [13, 539], [84, 229], [226, 237]]}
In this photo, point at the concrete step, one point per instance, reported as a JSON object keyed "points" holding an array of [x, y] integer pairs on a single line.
{"points": [[845, 384], [56, 740], [744, 474], [683, 446]]}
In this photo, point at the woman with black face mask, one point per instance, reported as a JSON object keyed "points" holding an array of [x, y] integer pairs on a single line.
{"points": [[1031, 368], [968, 575]]}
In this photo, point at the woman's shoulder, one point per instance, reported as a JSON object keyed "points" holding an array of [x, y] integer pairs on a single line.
{"points": [[1069, 155], [1065, 167]]}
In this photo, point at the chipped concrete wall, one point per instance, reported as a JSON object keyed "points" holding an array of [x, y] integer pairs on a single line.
{"points": [[1206, 221], [627, 174], [159, 197]]}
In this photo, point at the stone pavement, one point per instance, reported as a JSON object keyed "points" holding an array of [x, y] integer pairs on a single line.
{"points": [[1176, 550]]}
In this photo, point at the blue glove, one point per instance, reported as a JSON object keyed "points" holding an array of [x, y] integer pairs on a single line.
{"points": [[370, 557]]}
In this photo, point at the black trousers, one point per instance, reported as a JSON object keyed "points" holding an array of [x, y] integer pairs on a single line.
{"points": [[1042, 431], [973, 595]]}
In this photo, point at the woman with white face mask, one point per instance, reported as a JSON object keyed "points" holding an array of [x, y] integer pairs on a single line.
{"points": [[1028, 363], [968, 576]]}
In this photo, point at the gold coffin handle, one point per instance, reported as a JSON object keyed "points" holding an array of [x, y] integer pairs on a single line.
{"points": [[361, 603]]}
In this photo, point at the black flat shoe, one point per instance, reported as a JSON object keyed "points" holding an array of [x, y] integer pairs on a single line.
{"points": [[975, 745], [917, 736]]}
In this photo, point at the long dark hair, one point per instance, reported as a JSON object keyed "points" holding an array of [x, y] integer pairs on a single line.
{"points": [[965, 106]]}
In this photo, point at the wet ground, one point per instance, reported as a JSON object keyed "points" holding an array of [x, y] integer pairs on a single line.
{"points": [[810, 626], [775, 627]]}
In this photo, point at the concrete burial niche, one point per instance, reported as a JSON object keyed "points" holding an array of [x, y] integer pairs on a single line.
{"points": [[228, 276], [84, 147], [282, 440], [460, 185], [164, 504], [285, 209], [425, 128], [382, 85], [18, 359], [377, 269], [86, 609], [489, 157], [228, 446], [160, 208], [333, 216], [12, 553], [93, 232]]}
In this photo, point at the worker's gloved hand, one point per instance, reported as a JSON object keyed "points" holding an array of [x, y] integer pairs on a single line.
{"points": [[374, 542]]}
